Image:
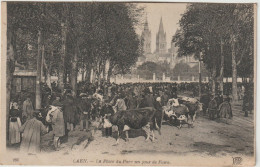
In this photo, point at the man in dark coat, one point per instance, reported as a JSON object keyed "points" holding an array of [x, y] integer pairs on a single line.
{"points": [[248, 102], [85, 109], [70, 110], [149, 99], [212, 108]]}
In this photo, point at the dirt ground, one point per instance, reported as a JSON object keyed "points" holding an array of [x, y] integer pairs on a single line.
{"points": [[207, 137]]}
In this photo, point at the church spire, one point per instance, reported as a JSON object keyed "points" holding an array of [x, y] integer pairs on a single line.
{"points": [[161, 30], [146, 36], [161, 44]]}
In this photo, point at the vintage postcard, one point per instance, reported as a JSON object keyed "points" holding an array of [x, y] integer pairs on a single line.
{"points": [[128, 84]]}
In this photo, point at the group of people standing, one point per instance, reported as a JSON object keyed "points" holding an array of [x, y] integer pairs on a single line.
{"points": [[88, 105], [25, 126]]}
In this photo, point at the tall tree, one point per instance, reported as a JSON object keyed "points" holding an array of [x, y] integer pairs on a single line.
{"points": [[207, 28]]}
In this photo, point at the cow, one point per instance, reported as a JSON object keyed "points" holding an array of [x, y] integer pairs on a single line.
{"points": [[137, 119], [184, 107], [176, 115], [193, 105], [194, 108]]}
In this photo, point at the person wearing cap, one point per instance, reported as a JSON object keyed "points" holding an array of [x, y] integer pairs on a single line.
{"points": [[212, 108], [32, 131], [225, 109]]}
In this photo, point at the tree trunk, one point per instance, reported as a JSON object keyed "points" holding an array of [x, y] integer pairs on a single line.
{"points": [[104, 71], [73, 74], [214, 72], [63, 55], [221, 75], [48, 73], [38, 77], [234, 69], [83, 70], [88, 73], [83, 75], [66, 76], [109, 73], [94, 73]]}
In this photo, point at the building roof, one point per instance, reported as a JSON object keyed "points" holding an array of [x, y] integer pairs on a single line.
{"points": [[27, 73]]}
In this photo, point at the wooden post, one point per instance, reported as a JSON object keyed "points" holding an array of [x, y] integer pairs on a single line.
{"points": [[38, 77]]}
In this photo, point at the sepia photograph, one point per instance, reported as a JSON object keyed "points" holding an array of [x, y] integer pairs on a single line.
{"points": [[128, 83]]}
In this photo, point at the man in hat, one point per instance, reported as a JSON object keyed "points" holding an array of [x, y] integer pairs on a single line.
{"points": [[149, 99], [85, 108], [32, 131], [212, 108]]}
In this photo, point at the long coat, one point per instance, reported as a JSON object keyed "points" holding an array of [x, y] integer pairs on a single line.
{"points": [[32, 131], [70, 110], [85, 109], [225, 109], [58, 124]]}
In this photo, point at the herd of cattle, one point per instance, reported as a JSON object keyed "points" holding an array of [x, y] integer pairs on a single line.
{"points": [[177, 112]]}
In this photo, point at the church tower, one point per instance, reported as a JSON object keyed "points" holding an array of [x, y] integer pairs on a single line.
{"points": [[146, 37], [161, 45]]}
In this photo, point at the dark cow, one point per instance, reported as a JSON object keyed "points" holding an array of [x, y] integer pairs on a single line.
{"points": [[137, 119]]}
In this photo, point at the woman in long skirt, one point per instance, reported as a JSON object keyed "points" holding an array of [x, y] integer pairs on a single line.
{"points": [[14, 124]]}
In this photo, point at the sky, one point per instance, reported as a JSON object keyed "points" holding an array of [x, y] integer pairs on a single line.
{"points": [[170, 13]]}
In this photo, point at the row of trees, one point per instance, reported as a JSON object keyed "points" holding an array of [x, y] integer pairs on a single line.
{"points": [[65, 39], [222, 36]]}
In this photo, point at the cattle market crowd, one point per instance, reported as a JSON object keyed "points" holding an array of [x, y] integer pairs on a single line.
{"points": [[127, 106]]}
